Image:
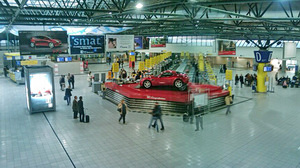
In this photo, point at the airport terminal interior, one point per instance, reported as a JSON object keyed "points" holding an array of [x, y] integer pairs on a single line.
{"points": [[195, 58]]}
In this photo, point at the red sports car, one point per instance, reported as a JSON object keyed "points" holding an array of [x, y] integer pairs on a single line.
{"points": [[44, 41], [166, 78]]}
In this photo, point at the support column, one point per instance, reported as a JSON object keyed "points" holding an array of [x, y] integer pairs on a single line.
{"points": [[283, 65], [261, 78]]}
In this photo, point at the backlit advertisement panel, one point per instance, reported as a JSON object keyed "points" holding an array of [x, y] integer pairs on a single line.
{"points": [[138, 42], [226, 47], [43, 42], [40, 89], [158, 42], [86, 44], [119, 42]]}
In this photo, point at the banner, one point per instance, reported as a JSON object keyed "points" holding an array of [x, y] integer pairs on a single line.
{"points": [[86, 44], [158, 42], [147, 63], [119, 42], [43, 42], [138, 42], [226, 47]]}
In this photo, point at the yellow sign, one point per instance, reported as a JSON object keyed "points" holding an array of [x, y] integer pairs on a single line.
{"points": [[132, 58], [182, 55], [187, 55], [29, 62], [115, 67], [151, 62], [141, 66], [147, 63], [228, 75], [201, 62]]}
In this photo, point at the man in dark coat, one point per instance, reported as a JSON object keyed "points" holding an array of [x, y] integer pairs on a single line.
{"points": [[80, 109], [72, 80], [241, 80], [75, 107]]}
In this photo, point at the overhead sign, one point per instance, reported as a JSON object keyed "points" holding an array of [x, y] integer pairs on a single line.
{"points": [[226, 47], [119, 42], [43, 42], [263, 56], [86, 44]]}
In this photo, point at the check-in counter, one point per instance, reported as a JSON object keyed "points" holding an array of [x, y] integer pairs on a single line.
{"points": [[16, 76]]}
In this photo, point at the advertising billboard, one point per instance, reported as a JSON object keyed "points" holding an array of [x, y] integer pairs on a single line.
{"points": [[40, 90], [86, 44], [138, 42], [226, 47], [43, 42], [119, 42], [158, 42]]}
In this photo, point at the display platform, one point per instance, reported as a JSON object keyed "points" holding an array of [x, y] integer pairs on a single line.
{"points": [[171, 100]]}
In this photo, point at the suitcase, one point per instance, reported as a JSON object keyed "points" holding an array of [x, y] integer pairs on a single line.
{"points": [[87, 118], [185, 117]]}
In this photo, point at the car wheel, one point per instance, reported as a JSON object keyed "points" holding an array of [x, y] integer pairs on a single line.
{"points": [[147, 84], [32, 45], [178, 83], [184, 87], [51, 45]]}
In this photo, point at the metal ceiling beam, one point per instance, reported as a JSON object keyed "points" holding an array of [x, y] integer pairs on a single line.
{"points": [[62, 9], [244, 16], [16, 13]]}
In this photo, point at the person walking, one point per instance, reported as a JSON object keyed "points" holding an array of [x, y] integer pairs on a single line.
{"points": [[157, 115], [241, 80], [123, 110], [68, 94], [62, 82], [81, 109], [69, 79], [236, 79], [72, 80], [228, 101], [75, 107]]}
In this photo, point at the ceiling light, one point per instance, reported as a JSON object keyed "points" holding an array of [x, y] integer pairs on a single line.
{"points": [[139, 5], [110, 13]]}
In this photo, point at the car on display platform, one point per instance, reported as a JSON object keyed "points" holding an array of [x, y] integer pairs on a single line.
{"points": [[44, 41], [166, 78]]}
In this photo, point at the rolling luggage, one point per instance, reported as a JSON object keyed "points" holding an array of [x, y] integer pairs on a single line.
{"points": [[87, 118], [185, 117]]}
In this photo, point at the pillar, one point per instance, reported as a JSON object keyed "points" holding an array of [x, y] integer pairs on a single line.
{"points": [[283, 65], [261, 77]]}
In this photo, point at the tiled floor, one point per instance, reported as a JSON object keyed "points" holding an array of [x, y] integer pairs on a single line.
{"points": [[261, 132]]}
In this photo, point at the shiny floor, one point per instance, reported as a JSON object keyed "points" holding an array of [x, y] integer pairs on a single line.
{"points": [[261, 132]]}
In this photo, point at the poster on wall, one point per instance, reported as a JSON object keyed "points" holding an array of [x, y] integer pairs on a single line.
{"points": [[138, 42], [43, 42], [119, 42], [158, 42], [226, 47], [86, 44], [146, 42]]}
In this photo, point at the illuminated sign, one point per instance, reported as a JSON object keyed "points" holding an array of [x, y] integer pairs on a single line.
{"points": [[86, 44]]}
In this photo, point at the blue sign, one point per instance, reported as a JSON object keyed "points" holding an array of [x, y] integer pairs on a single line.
{"points": [[263, 56], [86, 44]]}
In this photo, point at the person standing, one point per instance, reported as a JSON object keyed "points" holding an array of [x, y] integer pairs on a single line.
{"points": [[5, 70], [122, 105], [62, 82], [81, 109], [108, 60], [69, 79], [241, 80], [72, 81], [228, 101], [236, 79], [122, 62], [68, 94], [75, 107], [90, 78]]}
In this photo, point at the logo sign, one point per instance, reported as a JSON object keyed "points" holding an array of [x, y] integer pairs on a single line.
{"points": [[86, 44], [263, 56]]}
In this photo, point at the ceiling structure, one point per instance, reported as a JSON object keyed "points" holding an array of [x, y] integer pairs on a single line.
{"points": [[229, 19]]}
